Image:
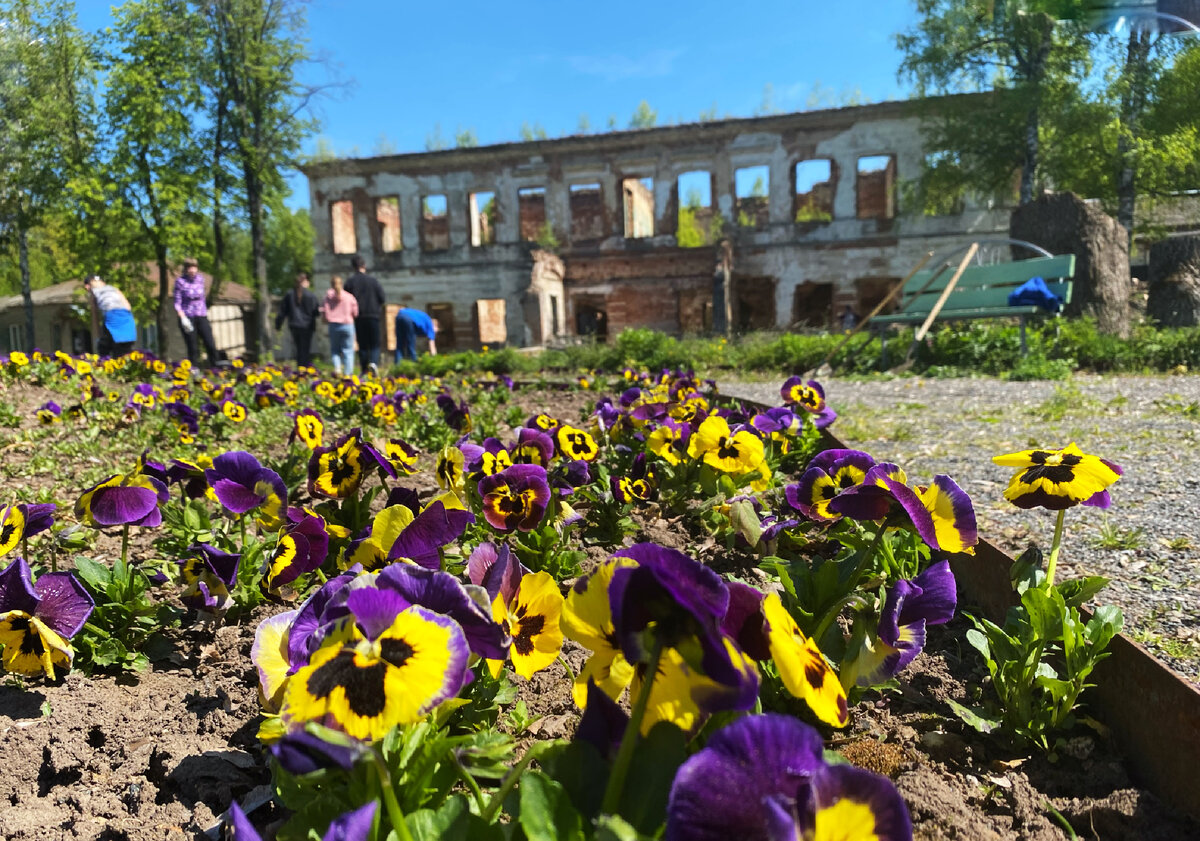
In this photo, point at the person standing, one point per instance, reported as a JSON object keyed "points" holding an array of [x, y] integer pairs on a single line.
{"points": [[299, 308], [118, 330], [192, 309], [369, 295], [339, 309], [408, 323]]}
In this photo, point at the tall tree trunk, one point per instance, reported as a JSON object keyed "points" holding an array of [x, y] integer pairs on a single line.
{"points": [[1133, 101], [162, 316], [1029, 167], [26, 286], [218, 228], [258, 247]]}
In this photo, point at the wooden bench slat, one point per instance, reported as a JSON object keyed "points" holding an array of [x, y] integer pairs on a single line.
{"points": [[1014, 273], [970, 298]]}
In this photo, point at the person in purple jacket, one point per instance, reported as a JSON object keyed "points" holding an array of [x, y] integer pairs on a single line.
{"points": [[192, 309]]}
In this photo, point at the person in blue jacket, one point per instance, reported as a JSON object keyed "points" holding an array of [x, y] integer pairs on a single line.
{"points": [[118, 330], [408, 323]]}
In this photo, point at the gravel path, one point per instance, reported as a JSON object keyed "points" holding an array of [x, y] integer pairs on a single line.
{"points": [[1148, 542]]}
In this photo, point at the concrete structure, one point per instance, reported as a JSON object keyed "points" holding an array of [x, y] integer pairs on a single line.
{"points": [[455, 232], [61, 321]]}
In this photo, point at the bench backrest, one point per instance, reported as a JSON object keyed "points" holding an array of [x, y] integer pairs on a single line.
{"points": [[988, 286]]}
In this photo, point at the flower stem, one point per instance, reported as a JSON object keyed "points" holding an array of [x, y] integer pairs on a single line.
{"points": [[1054, 547], [514, 774], [125, 545], [469, 780], [616, 778], [395, 815]]}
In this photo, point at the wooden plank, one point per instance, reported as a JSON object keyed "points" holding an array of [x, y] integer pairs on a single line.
{"points": [[937, 307], [979, 297]]}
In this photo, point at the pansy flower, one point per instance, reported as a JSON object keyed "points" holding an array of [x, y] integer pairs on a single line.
{"points": [[234, 410], [442, 593], [725, 450], [438, 524], [242, 485], [356, 825], [49, 412], [308, 427], [941, 513], [450, 473], [456, 415], [209, 575], [401, 456], [587, 618], [828, 474], [132, 499], [530, 615], [667, 599], [802, 667], [367, 684], [491, 459], [909, 609], [639, 484], [544, 422], [810, 397], [575, 444], [764, 777], [670, 440], [303, 546], [1058, 479], [37, 621], [23, 520], [533, 447], [515, 498], [337, 472]]}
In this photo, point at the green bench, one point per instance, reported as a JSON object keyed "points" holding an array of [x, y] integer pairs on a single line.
{"points": [[981, 292]]}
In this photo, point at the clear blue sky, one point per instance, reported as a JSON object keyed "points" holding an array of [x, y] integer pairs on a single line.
{"points": [[408, 67]]}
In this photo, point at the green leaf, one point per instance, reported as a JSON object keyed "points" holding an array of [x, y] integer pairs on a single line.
{"points": [[615, 828], [974, 717], [1046, 612], [979, 642], [452, 821], [1076, 591], [546, 811], [745, 521], [95, 575]]}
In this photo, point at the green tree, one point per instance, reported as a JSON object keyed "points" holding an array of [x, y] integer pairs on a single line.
{"points": [[434, 141], [466, 139], [289, 245], [258, 47], [1022, 51], [158, 160], [584, 126], [535, 131], [45, 82], [643, 116]]}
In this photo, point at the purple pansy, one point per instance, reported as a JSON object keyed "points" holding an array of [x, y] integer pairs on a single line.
{"points": [[23, 520], [764, 778], [445, 594], [352, 826], [515, 498], [38, 620], [209, 575], [303, 546], [828, 474], [129, 500], [435, 527], [242, 484]]}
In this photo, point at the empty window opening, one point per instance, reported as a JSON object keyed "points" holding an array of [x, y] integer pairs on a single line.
{"points": [[812, 305], [876, 187], [591, 319], [638, 201], [341, 215], [813, 200], [869, 291], [482, 209], [944, 185], [435, 224], [587, 212], [750, 191], [443, 314], [387, 217], [754, 303], [531, 207], [696, 224]]}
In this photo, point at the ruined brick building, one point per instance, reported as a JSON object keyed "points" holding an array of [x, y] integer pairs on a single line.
{"points": [[528, 242]]}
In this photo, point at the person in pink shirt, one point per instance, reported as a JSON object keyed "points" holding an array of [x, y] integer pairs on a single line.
{"points": [[340, 309]]}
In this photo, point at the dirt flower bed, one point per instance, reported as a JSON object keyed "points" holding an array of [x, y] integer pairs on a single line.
{"points": [[523, 496]]}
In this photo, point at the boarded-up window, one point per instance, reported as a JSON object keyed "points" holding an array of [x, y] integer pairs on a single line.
{"points": [[482, 209], [751, 186], [638, 198], [876, 187], [587, 212], [341, 215], [435, 225], [812, 305], [490, 313], [531, 206], [694, 225], [813, 199], [387, 217]]}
